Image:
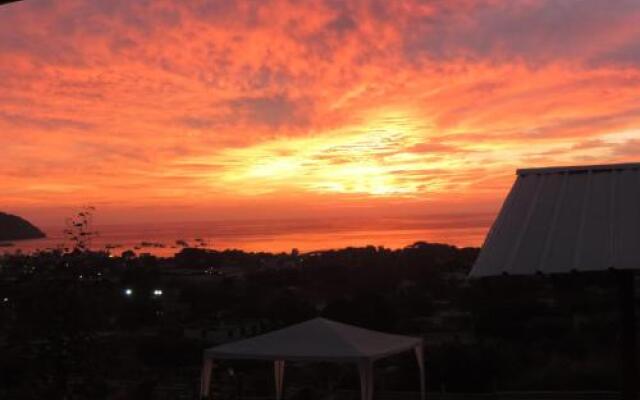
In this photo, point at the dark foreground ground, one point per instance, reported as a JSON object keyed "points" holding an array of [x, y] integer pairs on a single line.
{"points": [[89, 325]]}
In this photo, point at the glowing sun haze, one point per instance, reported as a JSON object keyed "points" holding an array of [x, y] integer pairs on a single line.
{"points": [[183, 110]]}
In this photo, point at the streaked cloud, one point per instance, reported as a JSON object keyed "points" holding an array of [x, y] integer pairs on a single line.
{"points": [[327, 107]]}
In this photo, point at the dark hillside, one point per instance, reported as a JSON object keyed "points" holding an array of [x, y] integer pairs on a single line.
{"points": [[13, 227]]}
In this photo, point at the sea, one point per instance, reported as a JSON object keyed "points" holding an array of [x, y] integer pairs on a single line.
{"points": [[306, 235]]}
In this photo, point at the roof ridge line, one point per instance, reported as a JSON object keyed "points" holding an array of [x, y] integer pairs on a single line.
{"points": [[333, 325], [577, 168]]}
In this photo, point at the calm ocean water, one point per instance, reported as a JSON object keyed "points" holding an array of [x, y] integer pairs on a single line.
{"points": [[268, 235]]}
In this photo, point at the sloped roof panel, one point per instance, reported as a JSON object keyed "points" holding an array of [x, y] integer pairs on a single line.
{"points": [[317, 339], [563, 219]]}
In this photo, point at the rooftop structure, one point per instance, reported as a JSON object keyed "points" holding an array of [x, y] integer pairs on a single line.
{"points": [[563, 219]]}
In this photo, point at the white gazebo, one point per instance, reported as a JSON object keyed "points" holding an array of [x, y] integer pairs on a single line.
{"points": [[318, 339]]}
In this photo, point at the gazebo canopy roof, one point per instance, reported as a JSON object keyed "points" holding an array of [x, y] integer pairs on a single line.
{"points": [[317, 339], [563, 219]]}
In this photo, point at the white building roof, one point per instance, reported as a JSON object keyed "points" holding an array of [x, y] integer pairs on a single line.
{"points": [[562, 219], [317, 339]]}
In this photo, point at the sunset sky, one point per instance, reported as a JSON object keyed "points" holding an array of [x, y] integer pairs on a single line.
{"points": [[203, 110]]}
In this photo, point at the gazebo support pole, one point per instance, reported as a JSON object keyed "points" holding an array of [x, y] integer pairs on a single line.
{"points": [[420, 359], [628, 346], [370, 393], [205, 379], [278, 369], [365, 367], [363, 380]]}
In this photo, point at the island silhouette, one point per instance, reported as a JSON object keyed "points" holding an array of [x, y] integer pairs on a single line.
{"points": [[13, 227]]}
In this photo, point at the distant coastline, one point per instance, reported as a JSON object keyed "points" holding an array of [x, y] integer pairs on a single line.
{"points": [[167, 239]]}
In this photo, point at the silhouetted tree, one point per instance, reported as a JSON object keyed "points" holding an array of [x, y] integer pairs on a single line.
{"points": [[79, 229]]}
